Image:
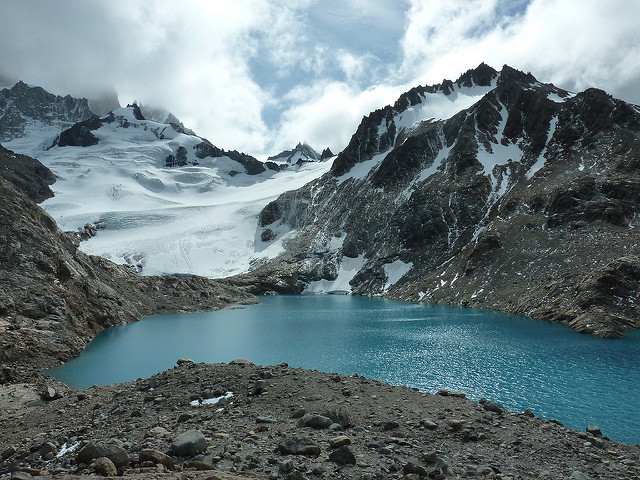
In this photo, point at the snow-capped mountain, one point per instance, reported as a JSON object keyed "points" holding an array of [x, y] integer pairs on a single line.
{"points": [[494, 191], [301, 153], [32, 116], [160, 197]]}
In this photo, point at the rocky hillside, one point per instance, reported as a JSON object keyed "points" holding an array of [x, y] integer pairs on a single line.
{"points": [[242, 421], [54, 298], [25, 109], [526, 201]]}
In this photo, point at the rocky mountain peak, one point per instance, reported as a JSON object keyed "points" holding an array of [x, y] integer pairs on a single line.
{"points": [[25, 108], [525, 186], [302, 152]]}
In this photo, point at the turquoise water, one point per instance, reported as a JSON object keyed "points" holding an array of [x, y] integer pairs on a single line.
{"points": [[518, 362]]}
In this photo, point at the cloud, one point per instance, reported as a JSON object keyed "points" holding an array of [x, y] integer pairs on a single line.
{"points": [[576, 46], [261, 75], [327, 113]]}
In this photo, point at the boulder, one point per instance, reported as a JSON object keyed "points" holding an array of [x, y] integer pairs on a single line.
{"points": [[314, 421], [189, 443], [294, 445], [103, 466], [110, 450], [156, 457], [342, 456]]}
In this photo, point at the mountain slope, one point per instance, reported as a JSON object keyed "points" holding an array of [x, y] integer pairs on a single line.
{"points": [[54, 298], [494, 191]]}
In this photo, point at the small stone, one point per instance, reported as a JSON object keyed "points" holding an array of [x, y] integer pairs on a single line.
{"points": [[457, 394], [412, 476], [185, 362], [50, 393], [443, 393], [295, 445], [259, 387], [8, 452], [103, 466], [286, 467], [429, 424], [299, 413], [342, 456], [455, 425], [156, 457], [528, 413], [339, 415], [266, 419], [240, 361], [159, 431], [314, 421], [489, 406], [413, 469], [189, 443], [577, 475], [184, 417], [390, 425], [594, 430], [19, 475], [335, 427], [340, 441], [199, 465]]}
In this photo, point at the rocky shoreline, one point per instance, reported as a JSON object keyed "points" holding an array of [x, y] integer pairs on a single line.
{"points": [[241, 421]]}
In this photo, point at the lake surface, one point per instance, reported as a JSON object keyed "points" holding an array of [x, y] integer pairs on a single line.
{"points": [[516, 361]]}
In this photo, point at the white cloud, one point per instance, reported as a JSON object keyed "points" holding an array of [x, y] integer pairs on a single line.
{"points": [[258, 75], [328, 113], [592, 43]]}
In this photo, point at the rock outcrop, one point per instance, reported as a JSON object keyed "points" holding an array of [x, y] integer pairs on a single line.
{"points": [[24, 106], [526, 201]]}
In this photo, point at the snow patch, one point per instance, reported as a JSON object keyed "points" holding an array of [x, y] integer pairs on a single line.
{"points": [[211, 401], [348, 269], [395, 271], [541, 158], [64, 449]]}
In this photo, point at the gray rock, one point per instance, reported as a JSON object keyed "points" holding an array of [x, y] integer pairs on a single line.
{"points": [[580, 476], [103, 466], [489, 406], [429, 424], [110, 450], [339, 415], [390, 425], [594, 430], [18, 475], [299, 446], [314, 421], [189, 443], [259, 387], [156, 457], [8, 452], [49, 450], [342, 456], [266, 419], [340, 441]]}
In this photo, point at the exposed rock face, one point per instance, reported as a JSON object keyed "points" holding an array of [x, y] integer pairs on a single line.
{"points": [[251, 164], [301, 153], [526, 201], [23, 105], [26, 174], [54, 298]]}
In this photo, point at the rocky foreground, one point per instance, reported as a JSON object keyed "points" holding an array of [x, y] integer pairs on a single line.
{"points": [[281, 422]]}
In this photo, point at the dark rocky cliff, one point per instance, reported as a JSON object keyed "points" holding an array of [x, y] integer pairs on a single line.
{"points": [[23, 105], [527, 202], [54, 298]]}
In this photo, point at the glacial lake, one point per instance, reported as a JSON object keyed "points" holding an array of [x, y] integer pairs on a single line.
{"points": [[518, 362]]}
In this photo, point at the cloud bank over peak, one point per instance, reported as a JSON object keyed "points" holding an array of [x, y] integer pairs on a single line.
{"points": [[260, 75]]}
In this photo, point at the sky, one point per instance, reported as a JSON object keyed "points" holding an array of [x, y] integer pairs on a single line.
{"points": [[259, 76]]}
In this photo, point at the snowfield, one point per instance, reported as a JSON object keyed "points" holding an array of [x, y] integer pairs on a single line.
{"points": [[196, 219]]}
